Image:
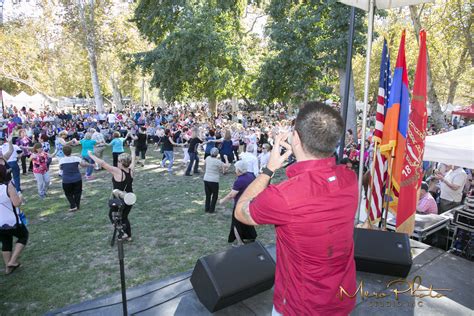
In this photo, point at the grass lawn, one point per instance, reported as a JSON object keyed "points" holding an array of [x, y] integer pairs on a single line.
{"points": [[69, 259]]}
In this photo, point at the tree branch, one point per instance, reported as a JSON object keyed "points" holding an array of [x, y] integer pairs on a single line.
{"points": [[254, 22]]}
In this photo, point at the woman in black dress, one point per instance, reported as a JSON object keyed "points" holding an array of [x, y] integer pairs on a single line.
{"points": [[122, 179], [141, 145]]}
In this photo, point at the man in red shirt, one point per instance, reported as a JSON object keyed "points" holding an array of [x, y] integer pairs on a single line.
{"points": [[313, 213]]}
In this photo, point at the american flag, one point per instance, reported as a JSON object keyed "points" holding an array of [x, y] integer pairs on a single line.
{"points": [[378, 170]]}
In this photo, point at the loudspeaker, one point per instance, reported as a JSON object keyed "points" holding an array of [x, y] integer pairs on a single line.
{"points": [[231, 276], [382, 252]]}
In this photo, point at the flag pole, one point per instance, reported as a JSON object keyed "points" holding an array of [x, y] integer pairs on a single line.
{"points": [[388, 189], [345, 100], [366, 101]]}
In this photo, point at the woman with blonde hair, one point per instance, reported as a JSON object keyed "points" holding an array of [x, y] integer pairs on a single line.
{"points": [[117, 146], [59, 144], [122, 179]]}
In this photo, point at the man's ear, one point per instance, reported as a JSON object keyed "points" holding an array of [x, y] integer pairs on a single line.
{"points": [[295, 139]]}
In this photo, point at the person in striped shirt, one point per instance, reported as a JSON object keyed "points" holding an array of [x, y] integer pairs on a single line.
{"points": [[426, 203]]}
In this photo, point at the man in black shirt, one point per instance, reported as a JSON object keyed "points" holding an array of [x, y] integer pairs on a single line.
{"points": [[193, 152]]}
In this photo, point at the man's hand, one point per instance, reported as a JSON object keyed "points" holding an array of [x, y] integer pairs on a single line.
{"points": [[276, 160]]}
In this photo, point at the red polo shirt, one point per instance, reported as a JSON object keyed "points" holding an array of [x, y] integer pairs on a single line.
{"points": [[313, 213]]}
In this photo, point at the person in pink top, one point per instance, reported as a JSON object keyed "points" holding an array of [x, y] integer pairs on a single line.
{"points": [[426, 203], [313, 213], [40, 169]]}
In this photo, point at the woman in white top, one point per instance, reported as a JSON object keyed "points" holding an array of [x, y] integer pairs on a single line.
{"points": [[10, 225], [211, 178]]}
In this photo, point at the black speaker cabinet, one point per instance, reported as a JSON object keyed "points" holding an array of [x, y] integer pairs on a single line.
{"points": [[382, 252], [228, 277]]}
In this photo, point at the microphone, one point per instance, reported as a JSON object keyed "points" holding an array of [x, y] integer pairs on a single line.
{"points": [[129, 198]]}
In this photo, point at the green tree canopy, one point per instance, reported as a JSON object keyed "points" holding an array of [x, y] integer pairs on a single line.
{"points": [[308, 42], [199, 52]]}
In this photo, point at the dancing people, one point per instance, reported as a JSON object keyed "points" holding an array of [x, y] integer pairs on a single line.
{"points": [[39, 158], [88, 145], [117, 147], [140, 145], [211, 178], [168, 144], [239, 232], [122, 179], [193, 152], [72, 178]]}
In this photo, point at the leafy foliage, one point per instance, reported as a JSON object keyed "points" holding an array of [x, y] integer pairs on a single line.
{"points": [[308, 41], [200, 55]]}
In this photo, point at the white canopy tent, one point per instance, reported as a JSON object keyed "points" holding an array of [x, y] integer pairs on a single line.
{"points": [[452, 148], [369, 5], [7, 98], [36, 102]]}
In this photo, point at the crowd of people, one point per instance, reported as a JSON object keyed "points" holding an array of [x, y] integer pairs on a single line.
{"points": [[244, 142], [31, 142]]}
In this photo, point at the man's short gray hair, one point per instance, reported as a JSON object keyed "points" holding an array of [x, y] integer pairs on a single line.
{"points": [[250, 148], [214, 152], [241, 166]]}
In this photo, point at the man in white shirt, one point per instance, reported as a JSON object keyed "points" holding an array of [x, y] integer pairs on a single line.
{"points": [[111, 119], [13, 163], [251, 160], [452, 185]]}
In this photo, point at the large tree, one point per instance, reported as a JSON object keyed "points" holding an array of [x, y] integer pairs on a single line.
{"points": [[83, 19], [198, 51], [308, 49]]}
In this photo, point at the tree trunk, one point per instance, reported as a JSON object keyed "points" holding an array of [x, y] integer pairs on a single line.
{"points": [[436, 113], [88, 26], [99, 101], [213, 106], [117, 96], [351, 111]]}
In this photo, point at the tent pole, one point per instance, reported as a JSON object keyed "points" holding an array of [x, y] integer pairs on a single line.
{"points": [[345, 100], [366, 102]]}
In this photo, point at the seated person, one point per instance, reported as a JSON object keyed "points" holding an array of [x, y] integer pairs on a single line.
{"points": [[426, 203]]}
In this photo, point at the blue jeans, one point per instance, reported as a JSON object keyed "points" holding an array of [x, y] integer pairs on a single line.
{"points": [[170, 157], [193, 159], [16, 174], [89, 169]]}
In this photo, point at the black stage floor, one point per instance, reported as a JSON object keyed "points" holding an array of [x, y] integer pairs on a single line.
{"points": [[175, 295]]}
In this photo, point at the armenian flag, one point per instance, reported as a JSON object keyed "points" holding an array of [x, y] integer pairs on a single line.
{"points": [[396, 123], [412, 167]]}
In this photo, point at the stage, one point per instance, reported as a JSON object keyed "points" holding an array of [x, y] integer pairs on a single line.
{"points": [[439, 269]]}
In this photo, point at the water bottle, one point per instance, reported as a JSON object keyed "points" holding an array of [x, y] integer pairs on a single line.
{"points": [[23, 218]]}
